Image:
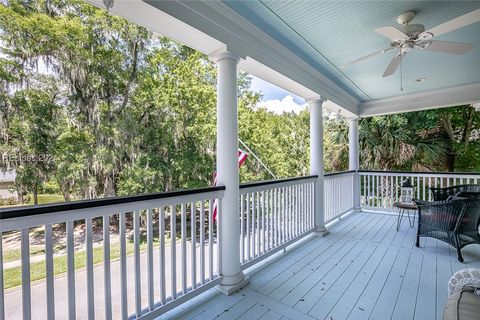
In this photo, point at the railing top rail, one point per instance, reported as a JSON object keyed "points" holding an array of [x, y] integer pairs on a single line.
{"points": [[422, 172], [270, 182], [338, 173], [25, 211]]}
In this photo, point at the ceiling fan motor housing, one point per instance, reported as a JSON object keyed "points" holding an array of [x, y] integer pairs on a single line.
{"points": [[413, 30]]}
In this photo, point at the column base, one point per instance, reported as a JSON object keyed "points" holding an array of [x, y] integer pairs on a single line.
{"points": [[229, 289], [321, 231]]}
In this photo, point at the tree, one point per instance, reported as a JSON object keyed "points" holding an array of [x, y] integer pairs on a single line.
{"points": [[30, 133]]}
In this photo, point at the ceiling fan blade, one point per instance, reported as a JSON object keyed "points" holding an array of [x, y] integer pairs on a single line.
{"points": [[449, 47], [393, 65], [391, 33], [456, 23], [365, 57]]}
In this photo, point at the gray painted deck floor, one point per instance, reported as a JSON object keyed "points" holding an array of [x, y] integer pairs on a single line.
{"points": [[363, 269]]}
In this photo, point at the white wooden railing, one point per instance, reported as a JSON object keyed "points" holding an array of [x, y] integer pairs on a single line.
{"points": [[274, 214], [338, 194], [180, 260], [379, 190], [175, 251]]}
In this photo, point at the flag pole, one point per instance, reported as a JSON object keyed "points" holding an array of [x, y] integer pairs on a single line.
{"points": [[258, 159]]}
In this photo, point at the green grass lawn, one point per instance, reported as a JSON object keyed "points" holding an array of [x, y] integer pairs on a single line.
{"points": [[44, 198], [16, 254]]}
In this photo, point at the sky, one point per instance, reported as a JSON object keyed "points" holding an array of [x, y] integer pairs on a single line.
{"points": [[276, 99]]}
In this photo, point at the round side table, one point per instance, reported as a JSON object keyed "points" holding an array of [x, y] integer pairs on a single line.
{"points": [[405, 208]]}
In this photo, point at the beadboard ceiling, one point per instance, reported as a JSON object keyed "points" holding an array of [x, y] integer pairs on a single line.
{"points": [[328, 34]]}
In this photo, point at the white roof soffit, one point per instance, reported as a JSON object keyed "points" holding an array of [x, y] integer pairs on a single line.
{"points": [[441, 98], [211, 26]]}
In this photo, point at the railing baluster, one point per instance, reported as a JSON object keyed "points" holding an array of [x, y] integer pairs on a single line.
{"points": [[299, 209], [269, 219], [302, 208], [423, 188], [136, 250], [247, 226], [370, 190], [242, 228], [26, 294], [106, 267], [210, 239], [254, 229], [193, 257], [289, 211], [202, 242], [50, 290], [264, 247], [161, 235], [173, 251], [90, 278], [258, 232], [313, 204], [218, 237], [285, 214], [391, 192], [151, 301], [418, 187], [123, 267], [298, 213], [183, 233], [70, 270], [279, 216]]}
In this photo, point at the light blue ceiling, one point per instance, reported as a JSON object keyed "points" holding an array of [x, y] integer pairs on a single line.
{"points": [[328, 34]]}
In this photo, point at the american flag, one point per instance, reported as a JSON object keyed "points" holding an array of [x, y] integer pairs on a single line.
{"points": [[242, 156]]}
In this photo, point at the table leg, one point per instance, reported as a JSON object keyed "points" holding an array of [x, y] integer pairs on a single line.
{"points": [[401, 212]]}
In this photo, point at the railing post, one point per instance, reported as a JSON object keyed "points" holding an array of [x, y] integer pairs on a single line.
{"points": [[233, 277], [316, 162], [353, 160]]}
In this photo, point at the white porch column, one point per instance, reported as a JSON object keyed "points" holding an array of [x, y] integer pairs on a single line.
{"points": [[227, 171], [316, 162], [353, 159]]}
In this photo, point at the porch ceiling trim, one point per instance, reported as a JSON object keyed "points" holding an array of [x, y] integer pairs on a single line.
{"points": [[441, 98]]}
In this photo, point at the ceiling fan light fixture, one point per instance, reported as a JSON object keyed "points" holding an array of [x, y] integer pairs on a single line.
{"points": [[425, 36], [422, 44]]}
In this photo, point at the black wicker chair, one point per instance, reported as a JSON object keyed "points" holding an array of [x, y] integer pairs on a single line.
{"points": [[464, 190], [455, 222]]}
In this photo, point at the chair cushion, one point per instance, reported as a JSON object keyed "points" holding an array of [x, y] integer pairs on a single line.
{"points": [[462, 305]]}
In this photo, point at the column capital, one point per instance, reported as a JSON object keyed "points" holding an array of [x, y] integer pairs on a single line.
{"points": [[224, 55], [315, 100], [350, 119]]}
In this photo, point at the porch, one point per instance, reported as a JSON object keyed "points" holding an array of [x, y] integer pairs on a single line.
{"points": [[364, 269]]}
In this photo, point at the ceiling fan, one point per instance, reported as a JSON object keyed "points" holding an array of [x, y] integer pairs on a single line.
{"points": [[413, 36]]}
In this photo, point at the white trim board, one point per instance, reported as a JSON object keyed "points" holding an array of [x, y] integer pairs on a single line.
{"points": [[441, 98]]}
